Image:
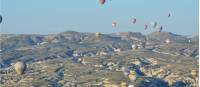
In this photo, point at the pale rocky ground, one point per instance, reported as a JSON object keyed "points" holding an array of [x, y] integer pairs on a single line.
{"points": [[79, 58], [61, 72]]}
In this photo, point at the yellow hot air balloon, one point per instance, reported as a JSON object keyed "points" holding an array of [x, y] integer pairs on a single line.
{"points": [[132, 76], [194, 73], [20, 67], [123, 84], [98, 35]]}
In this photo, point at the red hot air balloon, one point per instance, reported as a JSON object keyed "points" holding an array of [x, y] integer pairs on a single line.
{"points": [[134, 20], [114, 24], [145, 26], [102, 1]]}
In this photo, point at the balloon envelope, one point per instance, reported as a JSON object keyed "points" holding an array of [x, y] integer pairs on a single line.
{"points": [[0, 19], [131, 86], [132, 77], [126, 73], [153, 24], [159, 28], [114, 24], [167, 41], [20, 67], [194, 72], [98, 35], [134, 20], [169, 15], [102, 1]]}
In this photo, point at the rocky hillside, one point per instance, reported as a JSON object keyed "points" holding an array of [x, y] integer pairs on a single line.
{"points": [[52, 60]]}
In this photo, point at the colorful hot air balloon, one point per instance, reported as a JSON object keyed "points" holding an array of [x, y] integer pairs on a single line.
{"points": [[132, 77], [20, 67], [102, 1], [0, 19], [114, 24], [134, 20]]}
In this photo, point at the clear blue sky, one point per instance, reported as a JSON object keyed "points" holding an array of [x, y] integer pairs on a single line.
{"points": [[53, 16]]}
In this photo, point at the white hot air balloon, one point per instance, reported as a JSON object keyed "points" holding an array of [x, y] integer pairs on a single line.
{"points": [[159, 28], [126, 73], [153, 24], [189, 41], [130, 85], [124, 69], [20, 67], [167, 41]]}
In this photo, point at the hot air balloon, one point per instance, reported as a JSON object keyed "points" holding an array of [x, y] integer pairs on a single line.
{"points": [[135, 47], [124, 69], [167, 41], [126, 73], [153, 24], [114, 24], [132, 77], [194, 73], [189, 41], [20, 67], [145, 26], [169, 15], [102, 1], [0, 19], [98, 35], [123, 84], [134, 20], [131, 86], [159, 28]]}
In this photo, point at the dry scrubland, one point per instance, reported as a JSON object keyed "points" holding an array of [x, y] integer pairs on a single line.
{"points": [[69, 58]]}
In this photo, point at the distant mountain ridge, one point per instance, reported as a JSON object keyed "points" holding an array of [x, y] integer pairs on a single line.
{"points": [[35, 47]]}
